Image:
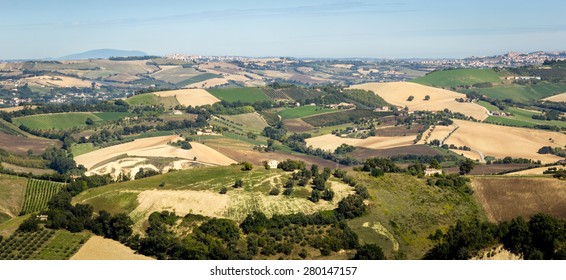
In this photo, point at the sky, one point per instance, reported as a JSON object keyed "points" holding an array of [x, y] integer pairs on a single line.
{"points": [[34, 29]]}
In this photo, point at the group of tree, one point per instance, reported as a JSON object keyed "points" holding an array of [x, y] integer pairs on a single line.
{"points": [[541, 237]]}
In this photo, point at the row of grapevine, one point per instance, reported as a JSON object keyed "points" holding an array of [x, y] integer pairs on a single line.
{"points": [[38, 193]]}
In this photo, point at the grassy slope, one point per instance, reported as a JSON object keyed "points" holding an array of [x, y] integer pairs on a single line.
{"points": [[197, 79], [239, 94], [113, 198], [303, 111], [459, 77], [522, 93], [66, 120], [11, 196], [143, 99], [248, 122], [522, 117], [410, 210]]}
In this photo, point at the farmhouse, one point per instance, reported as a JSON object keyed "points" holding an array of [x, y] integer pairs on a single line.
{"points": [[432, 171], [272, 164]]}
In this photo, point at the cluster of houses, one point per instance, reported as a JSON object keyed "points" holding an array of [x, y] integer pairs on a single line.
{"points": [[341, 105]]}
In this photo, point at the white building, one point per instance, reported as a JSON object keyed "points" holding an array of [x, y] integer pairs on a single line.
{"points": [[272, 164]]}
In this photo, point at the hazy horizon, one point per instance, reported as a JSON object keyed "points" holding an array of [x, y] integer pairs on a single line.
{"points": [[318, 29]]}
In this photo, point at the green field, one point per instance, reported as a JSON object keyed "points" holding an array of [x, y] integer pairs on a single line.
{"points": [[143, 99], [252, 122], [341, 117], [523, 118], [79, 149], [522, 93], [11, 196], [487, 105], [459, 77], [405, 211], [66, 120], [303, 111], [38, 193], [42, 245], [247, 94], [197, 79]]}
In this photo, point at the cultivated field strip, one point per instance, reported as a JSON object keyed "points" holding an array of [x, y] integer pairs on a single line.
{"points": [[38, 193]]}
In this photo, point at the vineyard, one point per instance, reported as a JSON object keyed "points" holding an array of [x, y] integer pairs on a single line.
{"points": [[342, 117], [42, 245], [38, 193]]}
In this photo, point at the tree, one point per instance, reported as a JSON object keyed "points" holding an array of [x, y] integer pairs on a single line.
{"points": [[410, 98], [466, 166], [29, 225], [247, 166], [223, 190], [89, 121], [239, 183], [369, 252], [315, 195], [434, 164], [427, 97], [350, 207], [255, 222]]}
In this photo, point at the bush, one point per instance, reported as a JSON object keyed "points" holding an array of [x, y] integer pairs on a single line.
{"points": [[223, 190], [274, 191], [369, 252]]}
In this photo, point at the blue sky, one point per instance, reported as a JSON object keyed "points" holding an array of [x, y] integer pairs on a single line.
{"points": [[335, 28]]}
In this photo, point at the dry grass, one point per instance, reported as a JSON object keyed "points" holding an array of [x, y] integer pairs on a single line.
{"points": [[498, 253], [209, 83], [12, 194], [128, 158], [438, 132], [58, 81], [331, 142], [397, 94], [190, 97], [502, 141], [17, 108], [504, 198], [236, 204], [533, 171], [100, 248], [557, 98]]}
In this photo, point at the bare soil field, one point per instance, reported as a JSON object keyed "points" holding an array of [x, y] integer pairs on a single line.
{"points": [[557, 98], [34, 171], [21, 145], [397, 93], [100, 248], [241, 151], [504, 198], [331, 142], [400, 130], [502, 141], [190, 97], [297, 126]]}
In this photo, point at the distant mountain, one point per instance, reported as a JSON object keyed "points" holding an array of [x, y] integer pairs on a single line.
{"points": [[101, 53]]}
